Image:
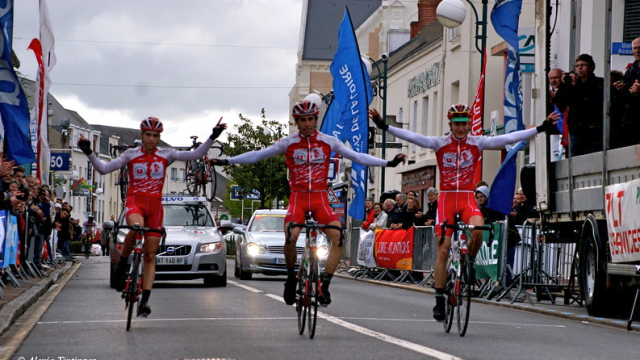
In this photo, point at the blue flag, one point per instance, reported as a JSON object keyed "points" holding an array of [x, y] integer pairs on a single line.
{"points": [[13, 103], [332, 123], [353, 94], [560, 124], [504, 17]]}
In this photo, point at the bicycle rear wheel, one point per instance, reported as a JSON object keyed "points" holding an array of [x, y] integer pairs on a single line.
{"points": [[192, 171], [301, 309], [131, 296], [314, 293], [464, 299], [210, 183]]}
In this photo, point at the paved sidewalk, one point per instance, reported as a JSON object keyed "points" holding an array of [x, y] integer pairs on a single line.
{"points": [[16, 300], [572, 312]]}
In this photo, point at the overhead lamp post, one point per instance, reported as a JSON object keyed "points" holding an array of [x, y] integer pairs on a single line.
{"points": [[267, 130], [382, 92], [451, 13]]}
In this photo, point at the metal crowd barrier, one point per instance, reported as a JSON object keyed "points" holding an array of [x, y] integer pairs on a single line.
{"points": [[543, 264], [424, 253]]}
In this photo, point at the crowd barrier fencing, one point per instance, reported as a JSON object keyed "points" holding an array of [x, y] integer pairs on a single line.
{"points": [[16, 256], [545, 265], [542, 263]]}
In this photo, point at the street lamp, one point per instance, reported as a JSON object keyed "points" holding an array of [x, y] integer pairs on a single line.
{"points": [[451, 13], [382, 92], [268, 130]]}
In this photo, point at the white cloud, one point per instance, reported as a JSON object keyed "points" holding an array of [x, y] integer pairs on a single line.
{"points": [[195, 60]]}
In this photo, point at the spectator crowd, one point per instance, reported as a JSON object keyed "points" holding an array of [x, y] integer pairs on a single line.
{"points": [[39, 215]]}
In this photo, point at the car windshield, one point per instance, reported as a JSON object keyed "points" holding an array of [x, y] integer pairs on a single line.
{"points": [[268, 223], [187, 215]]}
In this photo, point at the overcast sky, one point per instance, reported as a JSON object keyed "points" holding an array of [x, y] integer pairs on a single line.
{"points": [[186, 62]]}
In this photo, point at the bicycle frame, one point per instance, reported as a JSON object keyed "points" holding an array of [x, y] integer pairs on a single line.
{"points": [[201, 178]]}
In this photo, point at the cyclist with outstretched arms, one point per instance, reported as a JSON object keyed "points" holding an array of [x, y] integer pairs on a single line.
{"points": [[307, 153], [457, 155], [147, 168]]}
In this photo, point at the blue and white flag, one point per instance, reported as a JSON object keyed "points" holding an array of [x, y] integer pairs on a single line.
{"points": [[13, 103], [353, 94], [504, 17]]}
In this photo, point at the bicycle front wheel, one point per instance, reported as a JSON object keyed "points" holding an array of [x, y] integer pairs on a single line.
{"points": [[210, 183], [86, 247], [131, 295], [191, 172], [314, 293], [301, 308], [464, 298], [449, 303]]}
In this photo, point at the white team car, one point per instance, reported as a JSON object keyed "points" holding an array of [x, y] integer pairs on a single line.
{"points": [[193, 248], [260, 248]]}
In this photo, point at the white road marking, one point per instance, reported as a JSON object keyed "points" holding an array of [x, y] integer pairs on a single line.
{"points": [[380, 336], [244, 286]]}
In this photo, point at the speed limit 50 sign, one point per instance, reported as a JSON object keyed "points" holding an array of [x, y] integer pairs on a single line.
{"points": [[60, 161]]}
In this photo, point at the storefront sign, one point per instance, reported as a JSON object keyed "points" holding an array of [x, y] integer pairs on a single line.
{"points": [[424, 80]]}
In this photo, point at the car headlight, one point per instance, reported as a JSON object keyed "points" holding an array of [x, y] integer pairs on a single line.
{"points": [[211, 247], [255, 249], [323, 251]]}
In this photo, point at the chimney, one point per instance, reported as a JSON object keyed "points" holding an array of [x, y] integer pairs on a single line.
{"points": [[426, 15]]}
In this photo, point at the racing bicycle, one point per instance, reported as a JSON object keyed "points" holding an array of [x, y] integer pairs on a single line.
{"points": [[133, 286], [309, 287], [459, 286], [123, 174], [87, 242], [200, 177]]}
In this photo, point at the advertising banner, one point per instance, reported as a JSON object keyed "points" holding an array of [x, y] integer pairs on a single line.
{"points": [[623, 224], [394, 249], [365, 249], [488, 258]]}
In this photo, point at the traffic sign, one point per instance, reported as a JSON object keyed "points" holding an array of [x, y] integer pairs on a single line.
{"points": [[60, 161], [333, 199], [235, 194]]}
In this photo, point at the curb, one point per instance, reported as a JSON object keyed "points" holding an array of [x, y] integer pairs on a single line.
{"points": [[11, 311], [618, 324]]}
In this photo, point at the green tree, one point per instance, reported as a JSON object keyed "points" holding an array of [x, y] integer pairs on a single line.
{"points": [[269, 176]]}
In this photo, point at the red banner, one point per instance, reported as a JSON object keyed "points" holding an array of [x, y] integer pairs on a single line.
{"points": [[477, 110], [393, 249]]}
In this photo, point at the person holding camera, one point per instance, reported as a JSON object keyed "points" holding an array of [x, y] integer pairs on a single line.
{"points": [[628, 95], [584, 96]]}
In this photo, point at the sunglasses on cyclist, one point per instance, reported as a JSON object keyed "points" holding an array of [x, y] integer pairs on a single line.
{"points": [[459, 116]]}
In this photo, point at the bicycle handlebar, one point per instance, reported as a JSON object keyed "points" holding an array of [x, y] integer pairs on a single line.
{"points": [[462, 226], [162, 232], [309, 224]]}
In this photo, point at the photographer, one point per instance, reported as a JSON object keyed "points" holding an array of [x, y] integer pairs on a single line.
{"points": [[584, 96]]}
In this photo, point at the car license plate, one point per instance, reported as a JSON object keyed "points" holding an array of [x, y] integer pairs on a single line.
{"points": [[281, 261], [172, 260]]}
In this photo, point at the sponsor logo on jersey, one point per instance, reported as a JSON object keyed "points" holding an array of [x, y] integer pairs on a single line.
{"points": [[139, 171]]}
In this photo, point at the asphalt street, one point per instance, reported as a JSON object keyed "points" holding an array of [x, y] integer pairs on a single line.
{"points": [[81, 317]]}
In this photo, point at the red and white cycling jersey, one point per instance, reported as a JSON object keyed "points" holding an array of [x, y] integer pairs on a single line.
{"points": [[457, 159], [147, 170], [307, 158]]}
